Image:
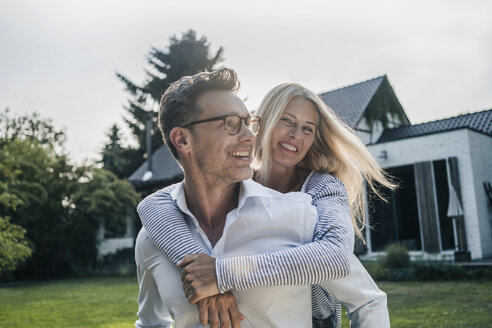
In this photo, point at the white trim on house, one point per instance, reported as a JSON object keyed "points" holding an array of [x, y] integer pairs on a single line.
{"points": [[107, 246], [447, 255]]}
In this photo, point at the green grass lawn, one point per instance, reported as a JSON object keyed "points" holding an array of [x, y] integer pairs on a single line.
{"points": [[438, 304], [111, 302], [90, 302]]}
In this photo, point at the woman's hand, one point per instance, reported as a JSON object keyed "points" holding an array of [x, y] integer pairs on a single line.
{"points": [[199, 277], [220, 309]]}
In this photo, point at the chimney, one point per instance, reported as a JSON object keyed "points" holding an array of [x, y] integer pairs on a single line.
{"points": [[149, 143], [148, 174]]}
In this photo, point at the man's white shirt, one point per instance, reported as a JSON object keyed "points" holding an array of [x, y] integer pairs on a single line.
{"points": [[264, 221]]}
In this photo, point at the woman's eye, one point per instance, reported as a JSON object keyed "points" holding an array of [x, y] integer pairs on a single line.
{"points": [[287, 121], [308, 129]]}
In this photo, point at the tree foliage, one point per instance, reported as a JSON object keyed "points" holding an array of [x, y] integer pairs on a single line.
{"points": [[97, 199], [113, 154], [30, 127], [14, 247], [60, 206], [186, 55]]}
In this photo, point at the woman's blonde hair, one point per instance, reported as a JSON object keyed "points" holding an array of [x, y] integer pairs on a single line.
{"points": [[336, 149]]}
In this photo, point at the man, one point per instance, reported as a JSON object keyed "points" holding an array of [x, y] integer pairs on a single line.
{"points": [[207, 128]]}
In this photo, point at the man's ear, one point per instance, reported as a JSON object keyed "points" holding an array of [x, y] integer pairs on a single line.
{"points": [[180, 138]]}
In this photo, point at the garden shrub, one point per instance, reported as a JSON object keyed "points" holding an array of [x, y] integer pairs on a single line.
{"points": [[377, 271], [396, 257], [427, 271]]}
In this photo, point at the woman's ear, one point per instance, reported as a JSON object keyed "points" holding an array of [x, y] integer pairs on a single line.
{"points": [[180, 139]]}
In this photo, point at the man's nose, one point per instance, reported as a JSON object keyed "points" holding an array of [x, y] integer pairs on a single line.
{"points": [[246, 134]]}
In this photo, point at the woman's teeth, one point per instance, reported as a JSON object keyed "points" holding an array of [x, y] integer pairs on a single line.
{"points": [[287, 146]]}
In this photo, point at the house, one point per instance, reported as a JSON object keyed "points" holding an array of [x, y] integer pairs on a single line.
{"points": [[165, 171], [443, 207]]}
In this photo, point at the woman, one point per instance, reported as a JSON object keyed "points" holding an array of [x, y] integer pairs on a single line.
{"points": [[301, 146]]}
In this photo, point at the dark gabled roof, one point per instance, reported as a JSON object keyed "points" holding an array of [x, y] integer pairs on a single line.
{"points": [[479, 121], [165, 170], [350, 102]]}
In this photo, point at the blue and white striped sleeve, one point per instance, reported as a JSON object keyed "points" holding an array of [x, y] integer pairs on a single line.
{"points": [[166, 226], [326, 258]]}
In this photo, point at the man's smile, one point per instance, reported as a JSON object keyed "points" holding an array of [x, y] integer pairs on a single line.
{"points": [[241, 154]]}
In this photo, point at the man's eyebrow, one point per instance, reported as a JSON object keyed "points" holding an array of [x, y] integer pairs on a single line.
{"points": [[237, 114], [308, 122]]}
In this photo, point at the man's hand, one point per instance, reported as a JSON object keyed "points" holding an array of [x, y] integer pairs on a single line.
{"points": [[199, 277], [220, 309]]}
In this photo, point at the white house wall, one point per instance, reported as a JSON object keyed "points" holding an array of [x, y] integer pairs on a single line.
{"points": [[112, 245], [481, 160], [436, 147]]}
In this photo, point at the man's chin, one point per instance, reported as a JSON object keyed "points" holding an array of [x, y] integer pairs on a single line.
{"points": [[244, 173]]}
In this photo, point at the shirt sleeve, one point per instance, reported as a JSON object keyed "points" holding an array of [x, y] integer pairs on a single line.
{"points": [[152, 312], [366, 304], [326, 258], [166, 226]]}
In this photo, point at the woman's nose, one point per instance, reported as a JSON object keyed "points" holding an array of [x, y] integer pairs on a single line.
{"points": [[294, 130]]}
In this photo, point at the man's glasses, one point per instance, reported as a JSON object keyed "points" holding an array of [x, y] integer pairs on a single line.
{"points": [[233, 123]]}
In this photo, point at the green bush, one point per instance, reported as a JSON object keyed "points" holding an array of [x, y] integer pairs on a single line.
{"points": [[396, 257], [427, 271], [377, 271], [446, 271]]}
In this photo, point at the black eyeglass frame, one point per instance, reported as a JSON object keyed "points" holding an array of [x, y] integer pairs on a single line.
{"points": [[244, 120]]}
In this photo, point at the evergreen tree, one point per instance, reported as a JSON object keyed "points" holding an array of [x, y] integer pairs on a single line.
{"points": [[113, 154], [187, 55]]}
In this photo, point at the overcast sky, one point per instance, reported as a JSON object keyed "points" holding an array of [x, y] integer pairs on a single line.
{"points": [[59, 58]]}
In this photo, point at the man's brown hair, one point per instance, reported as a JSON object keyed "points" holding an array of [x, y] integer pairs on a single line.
{"points": [[178, 103]]}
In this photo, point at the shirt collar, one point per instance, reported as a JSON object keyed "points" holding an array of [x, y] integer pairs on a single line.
{"points": [[179, 197], [248, 188]]}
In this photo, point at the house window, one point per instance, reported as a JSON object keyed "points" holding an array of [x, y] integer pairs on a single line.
{"points": [[396, 221]]}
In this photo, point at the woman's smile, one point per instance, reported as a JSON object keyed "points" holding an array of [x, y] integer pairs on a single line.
{"points": [[294, 133], [288, 146]]}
